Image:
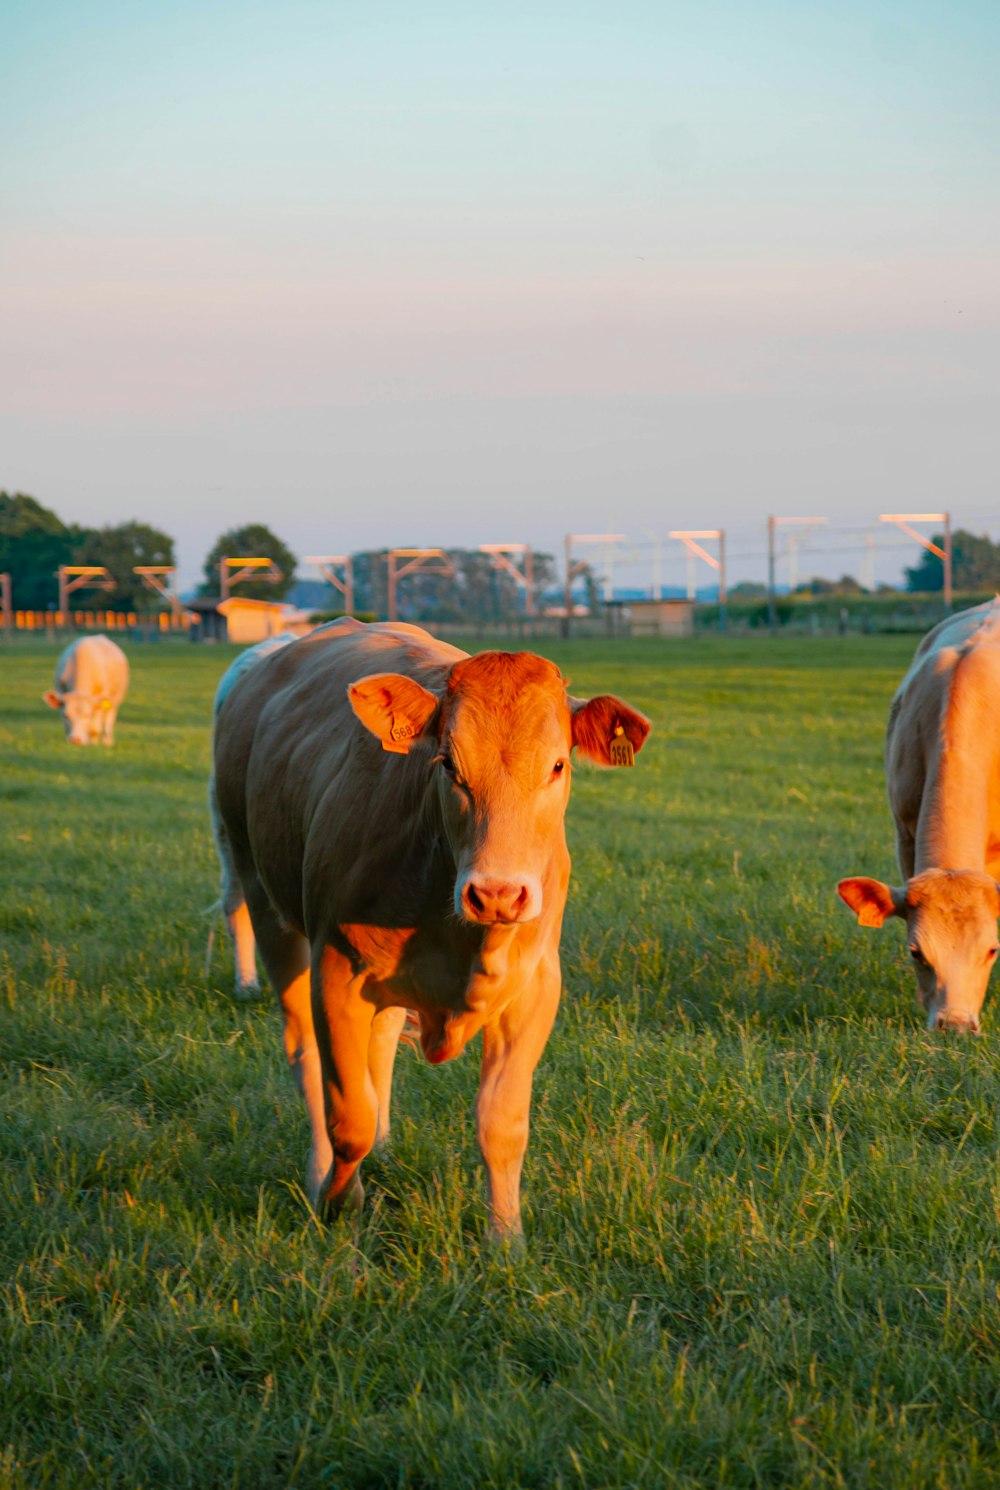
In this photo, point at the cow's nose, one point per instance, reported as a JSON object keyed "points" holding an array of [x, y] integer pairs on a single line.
{"points": [[492, 900], [965, 1024]]}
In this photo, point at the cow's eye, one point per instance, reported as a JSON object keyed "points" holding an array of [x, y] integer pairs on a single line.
{"points": [[918, 957], [447, 763], [558, 768], [992, 953]]}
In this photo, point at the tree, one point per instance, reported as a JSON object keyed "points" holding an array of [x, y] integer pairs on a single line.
{"points": [[747, 589], [587, 580], [845, 585], [120, 549], [477, 592], [252, 541], [21, 514], [975, 564], [34, 541], [546, 580], [371, 587]]}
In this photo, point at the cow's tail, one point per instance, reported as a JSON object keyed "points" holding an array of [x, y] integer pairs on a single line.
{"points": [[215, 910]]}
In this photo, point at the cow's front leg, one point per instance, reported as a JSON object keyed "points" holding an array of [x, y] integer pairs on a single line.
{"points": [[343, 1022], [387, 1026], [512, 1046]]}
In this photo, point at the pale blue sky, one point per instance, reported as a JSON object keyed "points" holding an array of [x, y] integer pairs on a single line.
{"points": [[478, 275]]}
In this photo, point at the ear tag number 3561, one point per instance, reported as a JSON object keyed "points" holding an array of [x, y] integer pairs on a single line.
{"points": [[622, 753]]}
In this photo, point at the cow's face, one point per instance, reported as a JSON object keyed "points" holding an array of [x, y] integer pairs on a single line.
{"points": [[498, 740], [82, 715], [951, 922]]}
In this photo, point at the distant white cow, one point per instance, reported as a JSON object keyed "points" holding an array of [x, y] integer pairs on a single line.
{"points": [[91, 681]]}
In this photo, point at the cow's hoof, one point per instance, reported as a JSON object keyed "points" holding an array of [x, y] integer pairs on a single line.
{"points": [[248, 993], [505, 1241], [351, 1201], [347, 1204]]}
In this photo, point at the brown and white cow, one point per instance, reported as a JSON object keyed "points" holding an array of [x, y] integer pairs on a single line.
{"points": [[91, 682], [390, 814], [943, 775]]}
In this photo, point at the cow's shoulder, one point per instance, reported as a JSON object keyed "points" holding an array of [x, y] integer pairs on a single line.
{"points": [[377, 639], [969, 629], [952, 685], [334, 654]]}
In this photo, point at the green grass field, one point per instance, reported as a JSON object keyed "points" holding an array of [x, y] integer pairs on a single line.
{"points": [[761, 1203]]}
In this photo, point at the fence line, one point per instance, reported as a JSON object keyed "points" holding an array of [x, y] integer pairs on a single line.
{"points": [[50, 621]]}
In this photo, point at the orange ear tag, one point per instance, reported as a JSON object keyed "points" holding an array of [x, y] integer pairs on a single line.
{"points": [[622, 753], [399, 736]]}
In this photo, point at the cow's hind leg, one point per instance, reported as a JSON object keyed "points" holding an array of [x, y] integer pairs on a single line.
{"points": [[234, 906], [387, 1026], [285, 954], [343, 1019]]}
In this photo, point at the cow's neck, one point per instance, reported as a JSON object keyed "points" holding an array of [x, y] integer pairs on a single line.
{"points": [[961, 794]]}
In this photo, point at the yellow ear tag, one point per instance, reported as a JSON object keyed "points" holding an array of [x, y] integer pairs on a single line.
{"points": [[622, 753]]}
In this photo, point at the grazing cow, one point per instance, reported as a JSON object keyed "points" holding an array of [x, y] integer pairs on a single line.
{"points": [[391, 818], [91, 681], [943, 772]]}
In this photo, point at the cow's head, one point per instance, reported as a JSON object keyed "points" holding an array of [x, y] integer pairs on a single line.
{"points": [[498, 739], [82, 715], [951, 922]]}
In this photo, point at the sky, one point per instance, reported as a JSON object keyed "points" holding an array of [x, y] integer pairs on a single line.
{"points": [[378, 274]]}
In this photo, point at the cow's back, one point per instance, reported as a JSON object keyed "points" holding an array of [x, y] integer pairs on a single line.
{"points": [[304, 789], [93, 665], [243, 663], [952, 683], [295, 701]]}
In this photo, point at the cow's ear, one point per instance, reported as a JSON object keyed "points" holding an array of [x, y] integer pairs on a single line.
{"points": [[52, 699], [598, 721], [873, 901], [393, 707]]}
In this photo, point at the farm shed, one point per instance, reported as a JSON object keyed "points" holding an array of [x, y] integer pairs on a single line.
{"points": [[245, 621], [206, 623], [662, 617]]}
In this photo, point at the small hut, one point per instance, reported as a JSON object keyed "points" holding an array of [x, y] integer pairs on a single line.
{"points": [[244, 621], [662, 617]]}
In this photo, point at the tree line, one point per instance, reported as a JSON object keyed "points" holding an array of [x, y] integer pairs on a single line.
{"points": [[975, 566], [34, 542]]}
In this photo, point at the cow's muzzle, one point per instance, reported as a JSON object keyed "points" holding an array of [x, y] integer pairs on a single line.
{"points": [[955, 1020], [487, 901]]}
